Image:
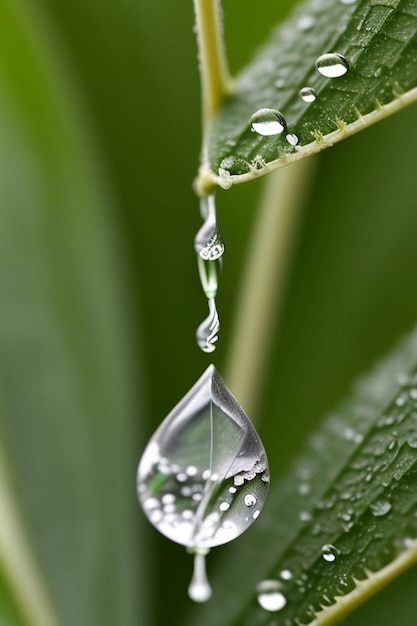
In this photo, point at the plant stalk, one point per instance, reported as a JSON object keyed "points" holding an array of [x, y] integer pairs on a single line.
{"points": [[264, 280], [216, 83]]}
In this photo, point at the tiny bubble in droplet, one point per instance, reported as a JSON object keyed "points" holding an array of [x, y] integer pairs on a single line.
{"points": [[332, 65], [250, 500]]}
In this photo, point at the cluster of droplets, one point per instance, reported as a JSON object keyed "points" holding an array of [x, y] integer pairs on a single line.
{"points": [[269, 122], [209, 248]]}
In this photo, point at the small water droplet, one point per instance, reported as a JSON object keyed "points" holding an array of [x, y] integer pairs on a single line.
{"points": [[413, 394], [267, 122], [292, 139], [304, 489], [209, 441], [308, 94], [305, 516], [270, 596], [401, 400], [279, 83], [380, 508], [286, 574], [332, 65], [329, 553], [207, 332], [305, 22], [250, 500], [199, 589]]}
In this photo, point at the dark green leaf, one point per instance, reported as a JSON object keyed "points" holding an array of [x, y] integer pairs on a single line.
{"points": [[355, 489], [380, 43]]}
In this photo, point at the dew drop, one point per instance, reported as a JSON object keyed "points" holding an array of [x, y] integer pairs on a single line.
{"points": [[210, 442], [380, 508], [267, 122], [250, 500], [270, 596], [304, 489], [329, 553], [332, 65], [305, 22], [308, 94], [286, 574], [292, 139], [305, 516], [199, 589]]}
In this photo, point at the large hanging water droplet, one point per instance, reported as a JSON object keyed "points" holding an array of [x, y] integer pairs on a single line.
{"points": [[270, 596], [207, 332], [204, 447], [308, 94], [268, 122], [332, 65]]}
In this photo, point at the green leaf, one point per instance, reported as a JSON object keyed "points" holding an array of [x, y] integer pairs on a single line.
{"points": [[380, 42], [354, 489], [66, 389]]}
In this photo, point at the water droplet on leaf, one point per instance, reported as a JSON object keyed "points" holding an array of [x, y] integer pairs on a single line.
{"points": [[209, 431], [268, 122], [380, 508], [286, 574], [329, 553], [308, 94], [270, 596], [292, 139], [332, 65]]}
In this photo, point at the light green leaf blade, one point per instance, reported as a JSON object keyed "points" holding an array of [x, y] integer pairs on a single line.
{"points": [[380, 43], [355, 489], [66, 391]]}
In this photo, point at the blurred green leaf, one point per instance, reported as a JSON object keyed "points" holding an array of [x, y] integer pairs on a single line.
{"points": [[66, 373], [347, 510], [380, 43]]}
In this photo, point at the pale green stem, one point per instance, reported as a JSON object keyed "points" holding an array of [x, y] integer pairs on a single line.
{"points": [[216, 83], [17, 561], [264, 280]]}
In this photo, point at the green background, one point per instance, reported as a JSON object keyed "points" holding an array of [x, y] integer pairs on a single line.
{"points": [[97, 171]]}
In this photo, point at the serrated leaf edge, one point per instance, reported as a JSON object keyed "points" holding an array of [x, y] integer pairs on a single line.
{"points": [[367, 588], [207, 181]]}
